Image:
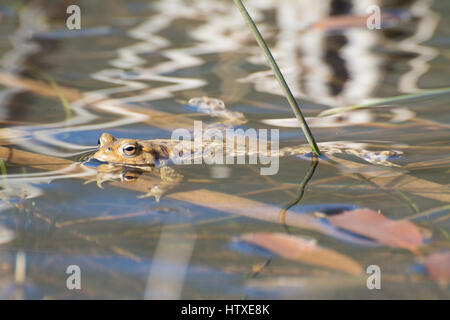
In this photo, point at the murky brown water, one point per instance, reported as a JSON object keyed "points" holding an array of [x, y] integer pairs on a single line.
{"points": [[127, 72]]}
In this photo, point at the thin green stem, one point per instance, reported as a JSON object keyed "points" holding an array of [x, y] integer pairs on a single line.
{"points": [[3, 168], [384, 100], [279, 76], [55, 86], [4, 172]]}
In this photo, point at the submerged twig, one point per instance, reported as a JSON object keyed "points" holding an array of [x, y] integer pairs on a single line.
{"points": [[279, 76]]}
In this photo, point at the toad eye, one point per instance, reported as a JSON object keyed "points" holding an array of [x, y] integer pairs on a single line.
{"points": [[127, 177], [128, 150]]}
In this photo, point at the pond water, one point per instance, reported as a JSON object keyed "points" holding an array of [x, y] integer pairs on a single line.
{"points": [[130, 71]]}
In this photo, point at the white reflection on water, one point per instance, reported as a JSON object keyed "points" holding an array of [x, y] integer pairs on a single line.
{"points": [[17, 186], [6, 235], [424, 31], [304, 54]]}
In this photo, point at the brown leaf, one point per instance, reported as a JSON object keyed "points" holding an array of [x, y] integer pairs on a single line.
{"points": [[438, 267], [372, 224], [297, 248]]}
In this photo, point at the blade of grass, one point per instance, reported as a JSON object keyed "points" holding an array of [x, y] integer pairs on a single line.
{"points": [[3, 171], [279, 76], [62, 98], [384, 100]]}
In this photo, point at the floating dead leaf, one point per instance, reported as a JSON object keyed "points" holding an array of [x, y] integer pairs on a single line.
{"points": [[438, 267], [372, 224], [307, 251]]}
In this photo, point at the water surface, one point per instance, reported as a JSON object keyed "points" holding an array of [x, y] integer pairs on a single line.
{"points": [[128, 71]]}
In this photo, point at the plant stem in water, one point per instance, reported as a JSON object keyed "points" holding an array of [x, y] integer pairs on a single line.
{"points": [[279, 76]]}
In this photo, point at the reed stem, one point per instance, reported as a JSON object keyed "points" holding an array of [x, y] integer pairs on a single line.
{"points": [[279, 76]]}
